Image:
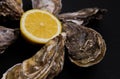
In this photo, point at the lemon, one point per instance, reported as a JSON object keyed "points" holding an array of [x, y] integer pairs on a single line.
{"points": [[39, 26]]}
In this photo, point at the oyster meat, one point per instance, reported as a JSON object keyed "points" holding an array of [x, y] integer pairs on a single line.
{"points": [[82, 17], [86, 47], [45, 64], [53, 6], [11, 9], [7, 37]]}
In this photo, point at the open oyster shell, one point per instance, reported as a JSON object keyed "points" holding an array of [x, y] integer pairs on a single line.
{"points": [[7, 37], [82, 17], [45, 64], [53, 6], [86, 47], [11, 9]]}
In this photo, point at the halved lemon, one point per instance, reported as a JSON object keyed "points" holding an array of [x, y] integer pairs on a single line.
{"points": [[39, 26]]}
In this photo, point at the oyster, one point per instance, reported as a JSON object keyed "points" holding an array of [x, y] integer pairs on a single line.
{"points": [[85, 46], [13, 72], [53, 6], [10, 9], [19, 2], [45, 64], [7, 37], [82, 17]]}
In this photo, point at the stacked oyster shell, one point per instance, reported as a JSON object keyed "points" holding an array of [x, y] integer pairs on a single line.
{"points": [[86, 46], [9, 9]]}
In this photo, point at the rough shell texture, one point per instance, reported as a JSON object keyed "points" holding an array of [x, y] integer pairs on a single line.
{"points": [[19, 2], [83, 16], [11, 9], [53, 6], [45, 64], [7, 37], [13, 72], [85, 46]]}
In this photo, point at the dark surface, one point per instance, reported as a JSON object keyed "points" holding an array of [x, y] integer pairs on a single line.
{"points": [[108, 68]]}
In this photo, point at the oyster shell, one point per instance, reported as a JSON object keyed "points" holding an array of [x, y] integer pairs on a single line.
{"points": [[7, 37], [82, 17], [19, 2], [11, 9], [86, 47], [13, 72], [53, 6], [45, 64]]}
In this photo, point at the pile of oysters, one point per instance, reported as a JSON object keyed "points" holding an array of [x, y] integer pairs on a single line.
{"points": [[85, 46]]}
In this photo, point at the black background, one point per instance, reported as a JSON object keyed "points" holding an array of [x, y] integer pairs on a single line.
{"points": [[108, 68]]}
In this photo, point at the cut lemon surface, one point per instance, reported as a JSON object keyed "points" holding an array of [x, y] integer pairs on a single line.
{"points": [[39, 26]]}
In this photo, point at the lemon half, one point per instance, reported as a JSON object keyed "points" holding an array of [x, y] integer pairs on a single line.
{"points": [[39, 26]]}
